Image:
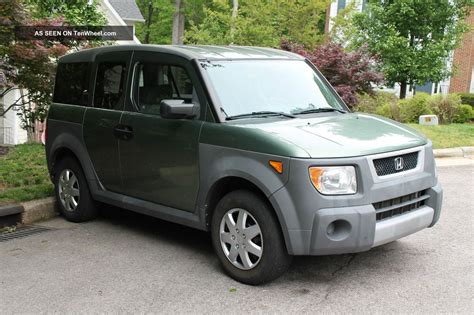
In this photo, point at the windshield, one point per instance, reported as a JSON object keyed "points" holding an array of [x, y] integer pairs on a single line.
{"points": [[285, 86]]}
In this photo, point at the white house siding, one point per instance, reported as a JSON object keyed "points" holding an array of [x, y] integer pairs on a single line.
{"points": [[113, 18], [10, 131]]}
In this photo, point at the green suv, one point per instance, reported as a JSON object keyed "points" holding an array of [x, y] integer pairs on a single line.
{"points": [[251, 144]]}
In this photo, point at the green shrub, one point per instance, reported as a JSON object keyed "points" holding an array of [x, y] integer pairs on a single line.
{"points": [[381, 103], [467, 98], [412, 108], [464, 114], [445, 106]]}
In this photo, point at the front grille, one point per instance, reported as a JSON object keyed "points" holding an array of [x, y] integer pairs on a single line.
{"points": [[388, 165], [396, 206]]}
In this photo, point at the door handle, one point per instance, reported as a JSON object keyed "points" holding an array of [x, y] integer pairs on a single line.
{"points": [[123, 132]]}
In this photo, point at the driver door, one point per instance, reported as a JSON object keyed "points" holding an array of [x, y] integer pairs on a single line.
{"points": [[160, 159]]}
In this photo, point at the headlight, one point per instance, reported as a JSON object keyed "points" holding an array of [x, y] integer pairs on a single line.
{"points": [[334, 180]]}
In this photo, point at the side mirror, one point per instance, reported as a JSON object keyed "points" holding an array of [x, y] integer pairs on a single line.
{"points": [[177, 109]]}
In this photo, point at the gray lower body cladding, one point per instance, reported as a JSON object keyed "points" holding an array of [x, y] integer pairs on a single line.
{"points": [[316, 224]]}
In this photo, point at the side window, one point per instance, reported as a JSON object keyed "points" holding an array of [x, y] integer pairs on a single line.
{"points": [[154, 82], [109, 85], [71, 83]]}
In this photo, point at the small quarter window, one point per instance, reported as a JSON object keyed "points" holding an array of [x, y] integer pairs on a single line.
{"points": [[71, 83], [109, 85], [156, 82]]}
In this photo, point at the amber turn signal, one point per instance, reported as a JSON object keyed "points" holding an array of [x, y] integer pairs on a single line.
{"points": [[277, 166], [315, 173]]}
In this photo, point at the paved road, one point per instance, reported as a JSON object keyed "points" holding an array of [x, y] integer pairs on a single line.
{"points": [[125, 262]]}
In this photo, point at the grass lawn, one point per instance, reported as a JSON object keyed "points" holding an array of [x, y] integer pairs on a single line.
{"points": [[24, 175], [448, 136]]}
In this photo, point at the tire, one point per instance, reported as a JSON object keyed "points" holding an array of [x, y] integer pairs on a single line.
{"points": [[228, 239], [75, 202]]}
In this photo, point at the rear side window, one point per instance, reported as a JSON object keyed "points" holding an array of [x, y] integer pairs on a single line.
{"points": [[71, 83], [109, 87], [156, 82]]}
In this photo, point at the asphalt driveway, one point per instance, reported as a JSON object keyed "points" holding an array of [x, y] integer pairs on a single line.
{"points": [[125, 262]]}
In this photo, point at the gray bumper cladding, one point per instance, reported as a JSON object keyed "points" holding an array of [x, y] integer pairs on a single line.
{"points": [[390, 230], [355, 229], [343, 230]]}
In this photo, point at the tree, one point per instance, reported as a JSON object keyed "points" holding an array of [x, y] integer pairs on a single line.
{"points": [[413, 39], [260, 22], [158, 25], [178, 23], [159, 21], [30, 65], [73, 12], [350, 73]]}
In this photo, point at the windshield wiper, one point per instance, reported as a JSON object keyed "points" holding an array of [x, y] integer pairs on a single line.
{"points": [[259, 114], [320, 110]]}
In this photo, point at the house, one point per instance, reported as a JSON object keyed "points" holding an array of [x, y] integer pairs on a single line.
{"points": [[10, 130], [117, 12], [463, 60], [122, 12]]}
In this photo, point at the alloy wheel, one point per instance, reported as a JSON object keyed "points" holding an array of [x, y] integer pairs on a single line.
{"points": [[68, 186], [241, 239]]}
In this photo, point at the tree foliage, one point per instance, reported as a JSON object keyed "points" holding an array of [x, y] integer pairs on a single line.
{"points": [[350, 73], [30, 65], [260, 22], [73, 12], [161, 18], [412, 38]]}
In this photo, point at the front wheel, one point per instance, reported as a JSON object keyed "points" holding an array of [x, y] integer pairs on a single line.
{"points": [[247, 238]]}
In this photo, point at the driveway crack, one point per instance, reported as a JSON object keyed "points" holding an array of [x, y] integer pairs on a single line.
{"points": [[338, 272]]}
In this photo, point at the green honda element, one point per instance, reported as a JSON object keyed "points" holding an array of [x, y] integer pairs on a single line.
{"points": [[251, 144]]}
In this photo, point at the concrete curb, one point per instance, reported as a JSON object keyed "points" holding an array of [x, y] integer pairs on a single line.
{"points": [[38, 210], [460, 152]]}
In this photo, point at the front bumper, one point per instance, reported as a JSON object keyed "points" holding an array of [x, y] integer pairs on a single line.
{"points": [[362, 231], [314, 224]]}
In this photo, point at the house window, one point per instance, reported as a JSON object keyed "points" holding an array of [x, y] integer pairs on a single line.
{"points": [[341, 4], [471, 88]]}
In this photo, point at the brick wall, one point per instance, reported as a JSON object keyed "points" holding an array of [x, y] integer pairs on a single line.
{"points": [[463, 60]]}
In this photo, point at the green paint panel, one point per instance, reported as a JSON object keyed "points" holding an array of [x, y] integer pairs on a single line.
{"points": [[333, 136], [69, 113], [161, 162], [102, 145], [249, 138]]}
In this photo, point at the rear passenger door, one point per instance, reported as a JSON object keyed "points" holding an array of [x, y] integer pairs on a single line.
{"points": [[160, 162], [102, 121]]}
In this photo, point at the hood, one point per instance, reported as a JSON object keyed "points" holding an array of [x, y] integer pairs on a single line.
{"points": [[342, 135]]}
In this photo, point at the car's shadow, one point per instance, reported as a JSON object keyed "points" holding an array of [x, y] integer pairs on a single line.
{"points": [[314, 269]]}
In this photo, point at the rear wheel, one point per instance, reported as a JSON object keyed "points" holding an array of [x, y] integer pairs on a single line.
{"points": [[247, 238], [72, 192]]}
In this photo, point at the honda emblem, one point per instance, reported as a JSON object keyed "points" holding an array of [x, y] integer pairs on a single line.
{"points": [[398, 163]]}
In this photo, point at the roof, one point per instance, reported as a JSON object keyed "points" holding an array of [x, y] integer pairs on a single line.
{"points": [[128, 10], [189, 52]]}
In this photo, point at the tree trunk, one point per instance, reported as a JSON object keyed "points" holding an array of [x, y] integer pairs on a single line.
{"points": [[178, 23], [403, 89], [148, 22], [235, 11]]}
